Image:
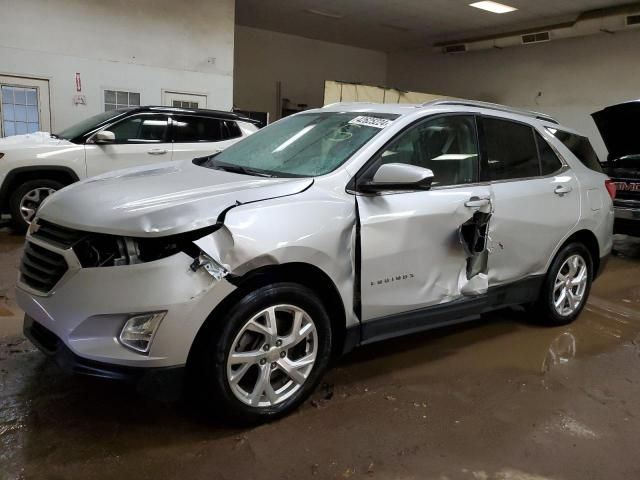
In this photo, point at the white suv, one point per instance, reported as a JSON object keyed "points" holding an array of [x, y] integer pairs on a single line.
{"points": [[34, 166], [329, 229]]}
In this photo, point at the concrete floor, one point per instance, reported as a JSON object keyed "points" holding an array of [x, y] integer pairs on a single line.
{"points": [[497, 399]]}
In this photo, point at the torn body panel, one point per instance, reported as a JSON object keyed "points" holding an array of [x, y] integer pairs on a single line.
{"points": [[412, 256], [285, 230], [474, 237]]}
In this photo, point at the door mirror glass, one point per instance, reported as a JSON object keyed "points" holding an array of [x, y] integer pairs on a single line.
{"points": [[105, 136], [398, 177]]}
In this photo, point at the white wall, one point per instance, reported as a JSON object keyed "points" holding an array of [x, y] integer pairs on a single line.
{"points": [[141, 45], [302, 65], [576, 76]]}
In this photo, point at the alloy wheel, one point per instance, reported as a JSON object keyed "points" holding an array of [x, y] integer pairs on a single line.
{"points": [[272, 356], [30, 202], [570, 285]]}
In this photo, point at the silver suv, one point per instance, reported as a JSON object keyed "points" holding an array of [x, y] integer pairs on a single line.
{"points": [[250, 269]]}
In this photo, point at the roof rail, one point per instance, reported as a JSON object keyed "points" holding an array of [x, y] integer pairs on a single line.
{"points": [[492, 106]]}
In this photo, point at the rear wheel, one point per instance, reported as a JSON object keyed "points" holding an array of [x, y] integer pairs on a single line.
{"points": [[266, 355], [27, 198], [566, 288]]}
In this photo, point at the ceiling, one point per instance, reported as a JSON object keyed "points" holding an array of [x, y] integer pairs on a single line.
{"points": [[397, 24]]}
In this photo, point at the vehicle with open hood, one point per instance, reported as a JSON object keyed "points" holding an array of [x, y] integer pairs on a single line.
{"points": [[250, 269], [35, 165], [618, 125]]}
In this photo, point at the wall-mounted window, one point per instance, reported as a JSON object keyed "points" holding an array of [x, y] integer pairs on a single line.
{"points": [[20, 113], [114, 99], [184, 104]]}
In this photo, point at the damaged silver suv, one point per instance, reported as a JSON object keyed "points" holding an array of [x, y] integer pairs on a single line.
{"points": [[245, 272]]}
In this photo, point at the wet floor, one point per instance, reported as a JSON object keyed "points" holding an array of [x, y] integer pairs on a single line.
{"points": [[497, 399]]}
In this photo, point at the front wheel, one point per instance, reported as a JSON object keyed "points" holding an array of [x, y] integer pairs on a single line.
{"points": [[266, 355], [27, 198], [566, 287]]}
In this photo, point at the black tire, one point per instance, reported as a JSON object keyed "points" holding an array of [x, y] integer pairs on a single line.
{"points": [[17, 221], [209, 369], [543, 311]]}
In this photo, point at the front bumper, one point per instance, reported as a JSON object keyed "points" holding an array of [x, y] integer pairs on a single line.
{"points": [[88, 308], [160, 382]]}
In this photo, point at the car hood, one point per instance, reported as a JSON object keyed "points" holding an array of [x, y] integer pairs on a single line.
{"points": [[37, 139], [159, 200], [618, 125]]}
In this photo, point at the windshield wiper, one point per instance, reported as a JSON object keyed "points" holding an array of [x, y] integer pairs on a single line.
{"points": [[239, 169]]}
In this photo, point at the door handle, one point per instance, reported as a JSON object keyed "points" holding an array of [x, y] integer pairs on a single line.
{"points": [[562, 190], [477, 202], [157, 151]]}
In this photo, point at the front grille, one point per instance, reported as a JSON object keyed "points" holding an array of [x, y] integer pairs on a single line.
{"points": [[60, 236], [40, 268]]}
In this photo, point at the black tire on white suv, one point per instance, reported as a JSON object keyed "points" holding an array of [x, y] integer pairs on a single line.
{"points": [[41, 188]]}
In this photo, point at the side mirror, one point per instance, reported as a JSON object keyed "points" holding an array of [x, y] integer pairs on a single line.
{"points": [[105, 136], [398, 177]]}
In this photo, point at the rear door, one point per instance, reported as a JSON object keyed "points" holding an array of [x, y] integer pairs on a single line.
{"points": [[536, 199], [412, 252], [139, 139], [197, 136]]}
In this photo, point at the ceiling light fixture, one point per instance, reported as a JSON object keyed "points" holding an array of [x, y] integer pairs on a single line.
{"points": [[322, 13], [493, 7]]}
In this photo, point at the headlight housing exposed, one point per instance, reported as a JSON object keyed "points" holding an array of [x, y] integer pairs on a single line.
{"points": [[139, 330], [101, 250], [1, 155]]}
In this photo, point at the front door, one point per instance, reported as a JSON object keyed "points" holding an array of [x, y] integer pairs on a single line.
{"points": [[139, 139], [536, 200], [425, 248]]}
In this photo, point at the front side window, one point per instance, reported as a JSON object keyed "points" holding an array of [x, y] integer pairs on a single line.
{"points": [[446, 145], [141, 129], [580, 146], [511, 150], [305, 145], [115, 99], [191, 129]]}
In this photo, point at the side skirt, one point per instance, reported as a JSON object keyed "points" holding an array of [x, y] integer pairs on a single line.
{"points": [[458, 311]]}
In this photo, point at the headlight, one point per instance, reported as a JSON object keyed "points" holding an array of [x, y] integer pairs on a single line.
{"points": [[139, 330], [101, 250], [1, 155]]}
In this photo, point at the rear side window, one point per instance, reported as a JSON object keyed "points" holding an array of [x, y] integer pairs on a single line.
{"points": [[190, 129], [511, 150], [231, 130], [580, 147], [549, 161]]}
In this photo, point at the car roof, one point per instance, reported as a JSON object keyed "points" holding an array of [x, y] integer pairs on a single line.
{"points": [[203, 112]]}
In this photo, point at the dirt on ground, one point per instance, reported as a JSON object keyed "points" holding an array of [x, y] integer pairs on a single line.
{"points": [[495, 399]]}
